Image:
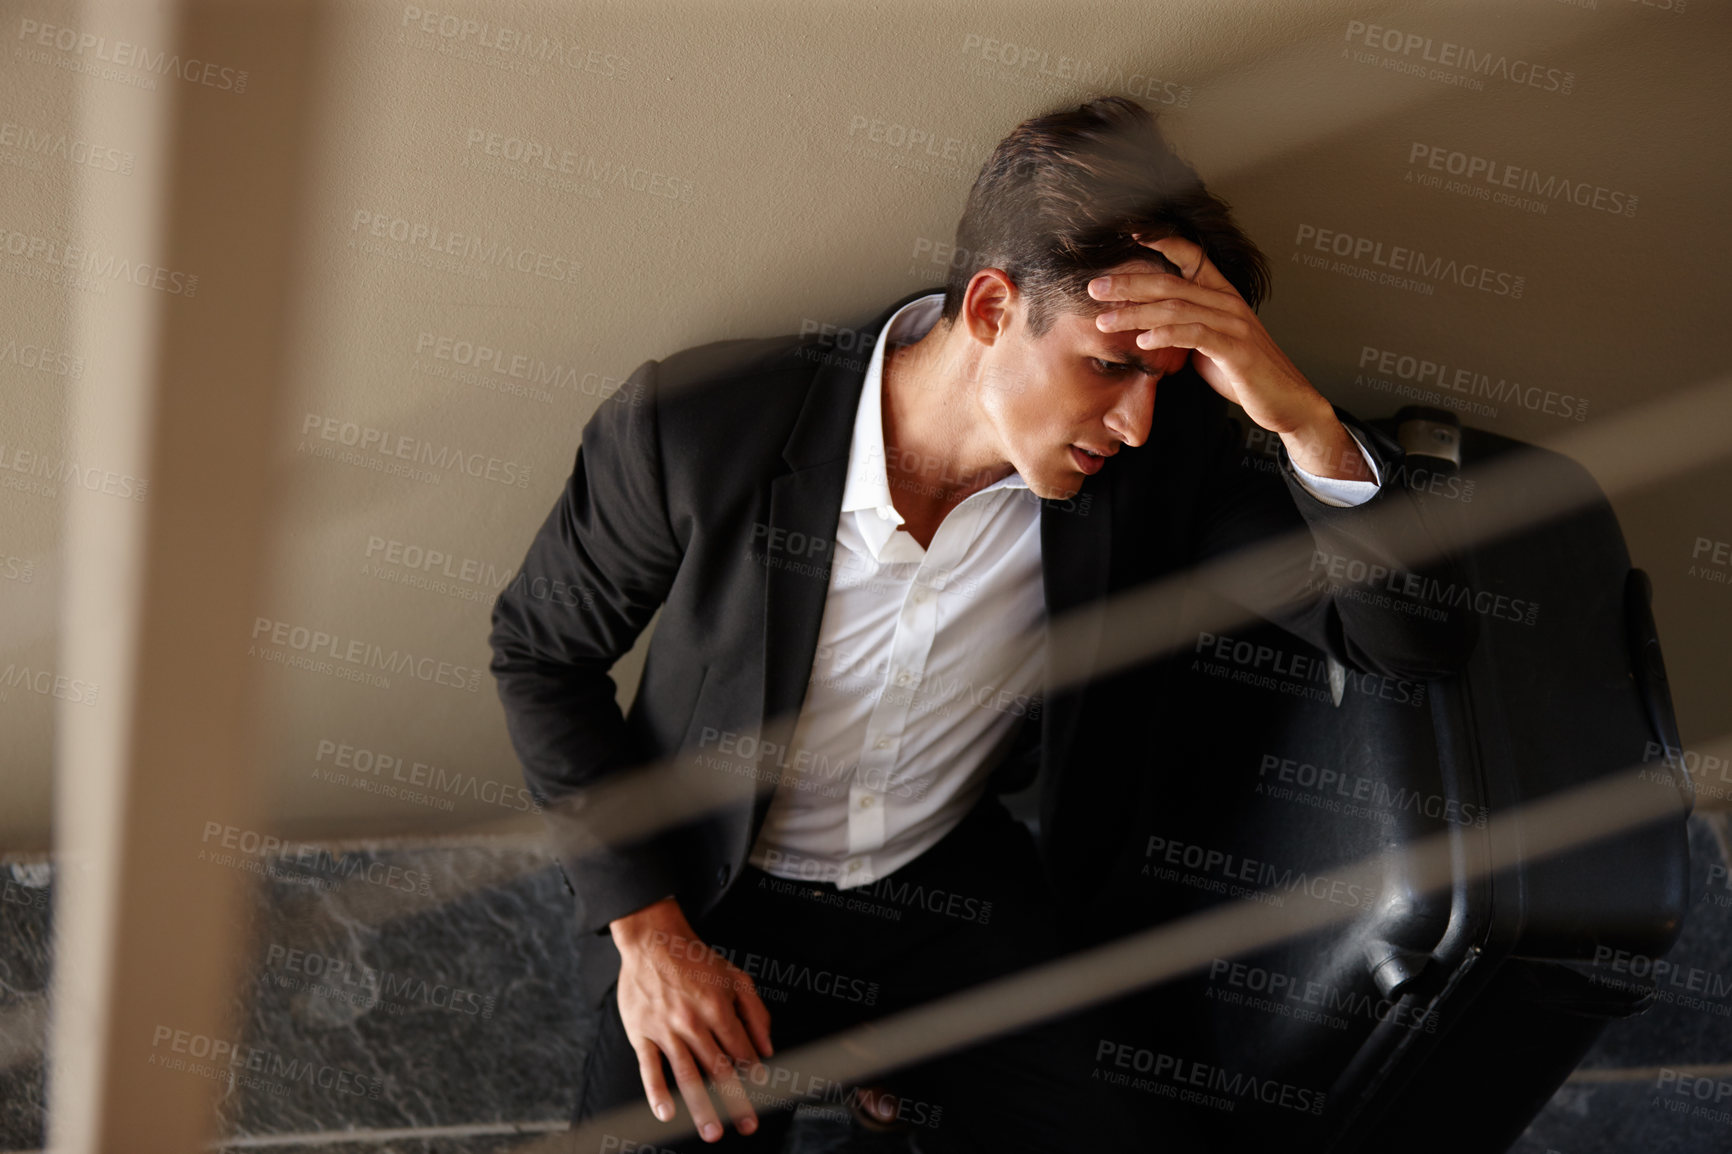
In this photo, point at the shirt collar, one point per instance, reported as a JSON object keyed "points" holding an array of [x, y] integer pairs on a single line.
{"points": [[867, 491]]}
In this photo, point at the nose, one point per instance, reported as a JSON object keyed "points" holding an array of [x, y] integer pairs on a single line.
{"points": [[1132, 412]]}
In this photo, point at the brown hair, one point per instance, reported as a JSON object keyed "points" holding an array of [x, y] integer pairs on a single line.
{"points": [[1057, 201]]}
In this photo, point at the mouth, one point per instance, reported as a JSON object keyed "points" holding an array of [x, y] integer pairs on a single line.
{"points": [[1089, 461]]}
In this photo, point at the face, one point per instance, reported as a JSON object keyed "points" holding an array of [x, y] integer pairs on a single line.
{"points": [[1055, 399]]}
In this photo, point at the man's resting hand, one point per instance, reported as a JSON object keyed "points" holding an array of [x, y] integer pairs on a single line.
{"points": [[682, 1000]]}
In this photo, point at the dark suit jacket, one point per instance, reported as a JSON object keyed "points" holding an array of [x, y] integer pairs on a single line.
{"points": [[710, 486]]}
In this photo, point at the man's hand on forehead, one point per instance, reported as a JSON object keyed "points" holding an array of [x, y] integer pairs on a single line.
{"points": [[1198, 309], [1177, 256]]}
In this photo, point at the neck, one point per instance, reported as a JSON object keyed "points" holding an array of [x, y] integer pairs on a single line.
{"points": [[936, 439]]}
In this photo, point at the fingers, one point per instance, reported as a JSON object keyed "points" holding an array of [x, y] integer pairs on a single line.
{"points": [[726, 1077], [731, 1033], [655, 1087], [1198, 280], [755, 1015], [691, 1083], [1193, 262], [737, 1053], [1154, 314], [1137, 287], [690, 1056], [1199, 337], [686, 1014]]}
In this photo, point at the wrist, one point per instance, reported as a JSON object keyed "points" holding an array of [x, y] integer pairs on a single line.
{"points": [[634, 931], [1324, 448]]}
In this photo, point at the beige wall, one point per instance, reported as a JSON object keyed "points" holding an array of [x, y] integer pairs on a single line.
{"points": [[767, 182]]}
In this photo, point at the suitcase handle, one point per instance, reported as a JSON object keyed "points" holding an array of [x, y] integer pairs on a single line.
{"points": [[1394, 968], [1428, 432], [1648, 669]]}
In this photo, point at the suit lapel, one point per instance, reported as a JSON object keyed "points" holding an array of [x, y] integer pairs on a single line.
{"points": [[806, 500], [1076, 555], [1076, 559]]}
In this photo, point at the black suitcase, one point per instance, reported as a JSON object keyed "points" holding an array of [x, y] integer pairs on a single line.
{"points": [[1426, 1021]]}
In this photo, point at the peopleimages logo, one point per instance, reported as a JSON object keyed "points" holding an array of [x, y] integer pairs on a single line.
{"points": [[1401, 259], [395, 775], [238, 1063], [43, 475], [1716, 568], [1457, 62], [304, 862], [1484, 178], [775, 972], [1164, 857], [509, 44], [1216, 1086], [313, 645], [1039, 62], [378, 445], [41, 359], [1439, 374], [46, 683], [429, 243], [86, 267], [339, 978], [89, 46], [434, 569], [30, 141], [547, 158], [1295, 673], [1289, 779], [1235, 983], [1413, 591]]}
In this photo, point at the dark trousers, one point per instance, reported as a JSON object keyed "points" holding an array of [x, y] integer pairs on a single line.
{"points": [[974, 907]]}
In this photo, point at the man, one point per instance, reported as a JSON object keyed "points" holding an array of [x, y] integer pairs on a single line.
{"points": [[869, 572]]}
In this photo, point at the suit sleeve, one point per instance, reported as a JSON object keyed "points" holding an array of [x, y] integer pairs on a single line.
{"points": [[596, 572], [1366, 583]]}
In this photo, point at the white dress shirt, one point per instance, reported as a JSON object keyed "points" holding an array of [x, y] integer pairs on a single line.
{"points": [[902, 706]]}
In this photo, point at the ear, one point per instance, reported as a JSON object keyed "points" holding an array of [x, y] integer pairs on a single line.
{"points": [[987, 304]]}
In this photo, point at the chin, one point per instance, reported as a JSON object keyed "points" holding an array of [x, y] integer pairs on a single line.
{"points": [[1047, 491]]}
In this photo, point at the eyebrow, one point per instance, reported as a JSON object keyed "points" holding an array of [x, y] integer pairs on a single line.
{"points": [[1133, 360]]}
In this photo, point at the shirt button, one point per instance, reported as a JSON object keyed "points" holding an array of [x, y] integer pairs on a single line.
{"points": [[866, 802], [854, 867], [883, 743], [920, 596], [902, 679], [722, 873]]}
